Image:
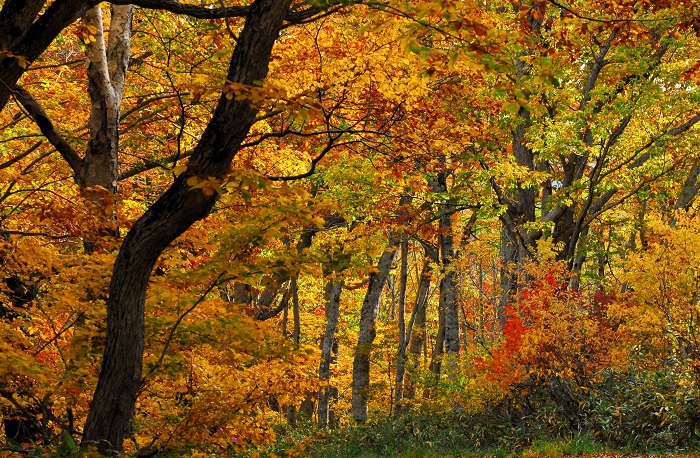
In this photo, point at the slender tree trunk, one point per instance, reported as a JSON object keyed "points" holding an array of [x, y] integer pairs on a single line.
{"points": [[285, 317], [439, 349], [448, 296], [403, 339], [177, 209], [690, 189], [417, 332], [296, 325], [368, 318], [332, 295], [448, 289]]}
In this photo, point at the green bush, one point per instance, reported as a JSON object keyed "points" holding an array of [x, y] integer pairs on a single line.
{"points": [[633, 411], [656, 410]]}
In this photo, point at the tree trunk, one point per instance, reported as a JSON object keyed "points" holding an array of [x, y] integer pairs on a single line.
{"points": [[106, 71], [690, 189], [438, 350], [107, 67], [417, 331], [296, 325], [403, 340], [368, 318], [332, 295], [448, 289], [448, 296], [175, 211]]}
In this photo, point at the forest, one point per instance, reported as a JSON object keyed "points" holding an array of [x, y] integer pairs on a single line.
{"points": [[349, 227]]}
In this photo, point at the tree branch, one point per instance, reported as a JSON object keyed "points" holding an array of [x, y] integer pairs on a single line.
{"points": [[294, 16], [314, 162], [21, 156], [39, 116]]}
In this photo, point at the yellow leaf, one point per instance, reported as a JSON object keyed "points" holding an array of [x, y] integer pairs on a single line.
{"points": [[179, 170], [22, 62]]}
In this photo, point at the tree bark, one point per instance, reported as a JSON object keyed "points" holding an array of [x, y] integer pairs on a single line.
{"points": [[403, 339], [448, 289], [448, 296], [417, 331], [106, 70], [367, 333], [690, 189], [439, 348], [332, 295], [176, 210]]}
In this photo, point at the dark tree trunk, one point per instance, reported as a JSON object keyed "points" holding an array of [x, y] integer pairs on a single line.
{"points": [[180, 206], [690, 189]]}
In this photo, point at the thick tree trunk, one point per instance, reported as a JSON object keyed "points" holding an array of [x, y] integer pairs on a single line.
{"points": [[180, 206], [368, 318], [332, 295]]}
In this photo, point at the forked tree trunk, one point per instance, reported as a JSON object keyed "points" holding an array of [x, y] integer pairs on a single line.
{"points": [[175, 211], [367, 333], [107, 67]]}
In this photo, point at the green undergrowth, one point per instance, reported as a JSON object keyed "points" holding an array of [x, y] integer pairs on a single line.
{"points": [[447, 436], [640, 412]]}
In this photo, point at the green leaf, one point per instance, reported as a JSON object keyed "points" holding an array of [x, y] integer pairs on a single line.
{"points": [[511, 107], [68, 444]]}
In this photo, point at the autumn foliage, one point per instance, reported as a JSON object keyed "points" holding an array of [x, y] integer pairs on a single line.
{"points": [[476, 217]]}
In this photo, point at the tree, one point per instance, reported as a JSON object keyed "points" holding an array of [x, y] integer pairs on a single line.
{"points": [[180, 206], [604, 83]]}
